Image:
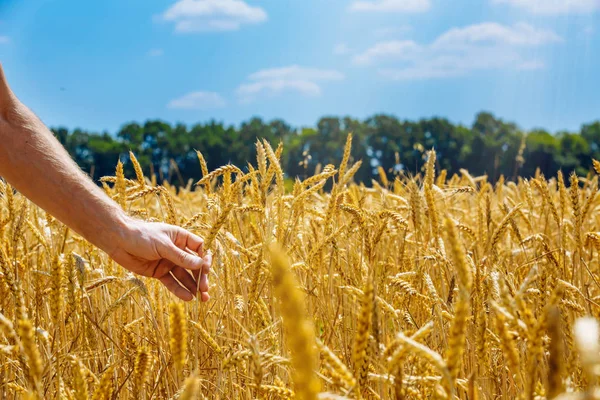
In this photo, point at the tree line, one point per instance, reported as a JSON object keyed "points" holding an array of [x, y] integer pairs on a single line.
{"points": [[489, 146]]}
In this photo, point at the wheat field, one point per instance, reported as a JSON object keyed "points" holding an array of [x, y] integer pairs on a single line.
{"points": [[422, 287]]}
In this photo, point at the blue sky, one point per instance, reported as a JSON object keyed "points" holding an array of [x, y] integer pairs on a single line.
{"points": [[99, 64]]}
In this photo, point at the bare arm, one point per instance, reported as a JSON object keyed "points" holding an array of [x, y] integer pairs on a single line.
{"points": [[35, 163]]}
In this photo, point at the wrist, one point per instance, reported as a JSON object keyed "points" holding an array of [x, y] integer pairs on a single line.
{"points": [[116, 231]]}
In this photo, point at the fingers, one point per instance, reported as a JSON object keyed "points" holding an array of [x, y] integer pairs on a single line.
{"points": [[201, 277], [185, 279], [182, 258], [174, 287], [203, 281], [185, 249], [186, 239], [206, 265], [203, 284], [186, 252], [194, 242], [207, 262]]}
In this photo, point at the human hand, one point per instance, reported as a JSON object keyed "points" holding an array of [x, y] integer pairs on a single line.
{"points": [[167, 253]]}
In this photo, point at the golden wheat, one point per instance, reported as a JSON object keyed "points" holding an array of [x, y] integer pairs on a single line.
{"points": [[417, 287]]}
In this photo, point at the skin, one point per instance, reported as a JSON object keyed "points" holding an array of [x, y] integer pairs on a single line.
{"points": [[35, 163]]}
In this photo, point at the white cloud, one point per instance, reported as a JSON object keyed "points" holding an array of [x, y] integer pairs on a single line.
{"points": [[553, 7], [341, 49], [275, 86], [484, 46], [4, 39], [156, 52], [494, 33], [212, 15], [396, 49], [274, 81], [198, 101], [296, 72], [402, 6]]}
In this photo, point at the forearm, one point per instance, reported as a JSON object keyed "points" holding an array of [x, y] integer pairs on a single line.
{"points": [[35, 163]]}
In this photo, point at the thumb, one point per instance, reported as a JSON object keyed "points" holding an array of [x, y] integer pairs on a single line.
{"points": [[182, 258]]}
